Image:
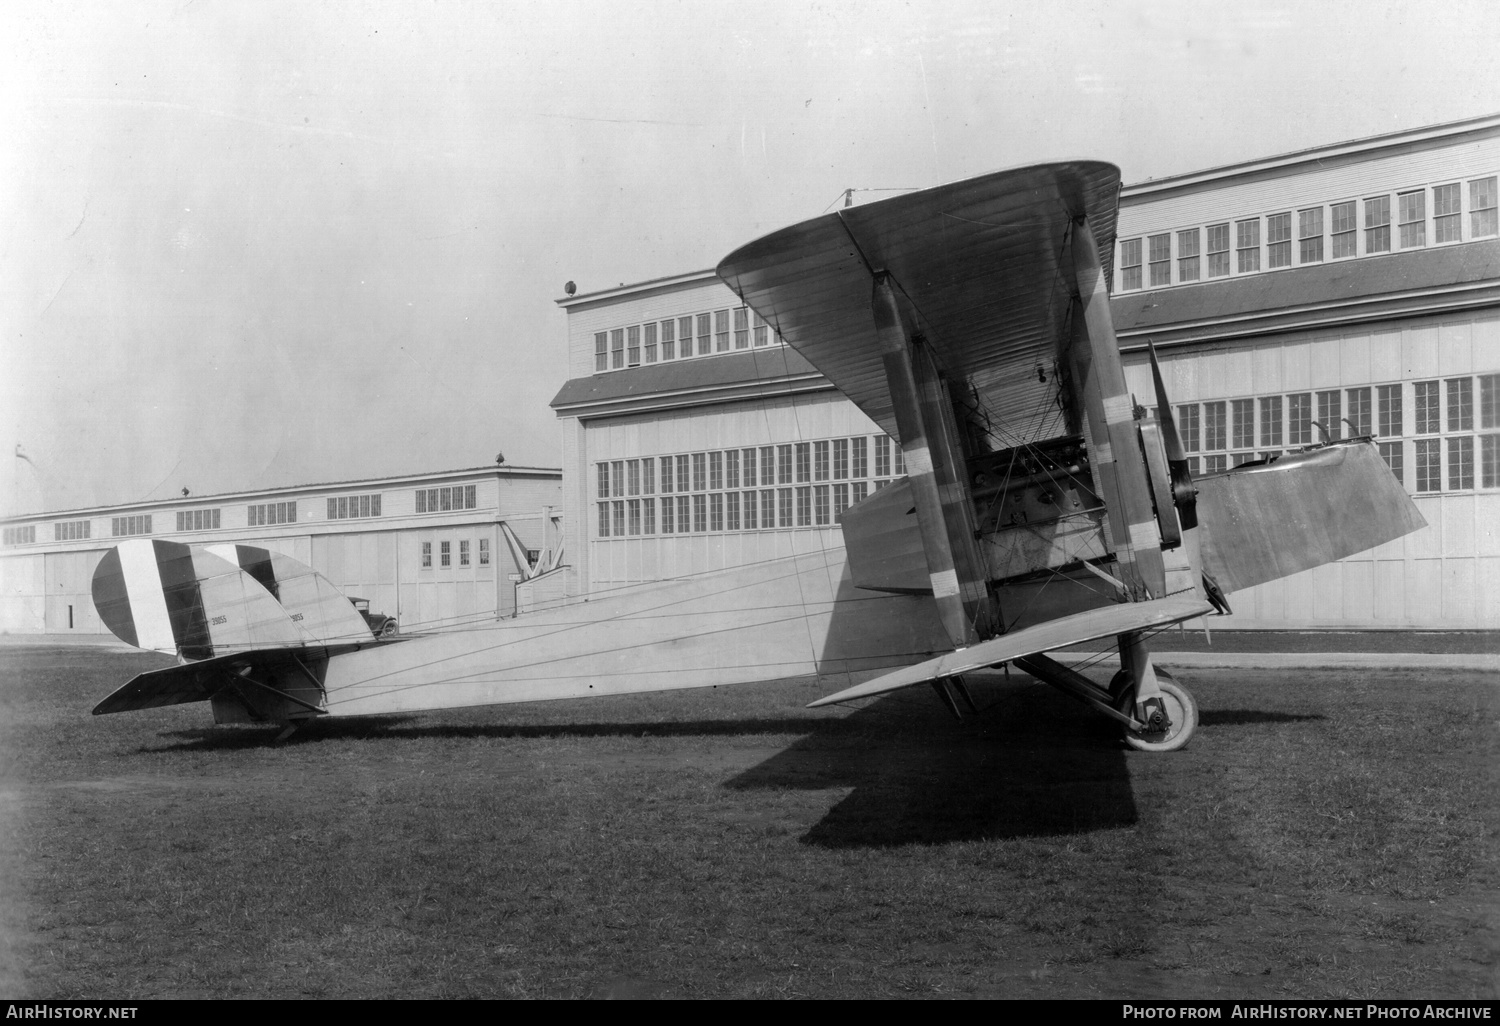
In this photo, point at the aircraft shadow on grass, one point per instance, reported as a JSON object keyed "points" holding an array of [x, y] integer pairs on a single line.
{"points": [[919, 778]]}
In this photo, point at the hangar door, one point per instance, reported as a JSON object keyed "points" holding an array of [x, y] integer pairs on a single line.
{"points": [[69, 596]]}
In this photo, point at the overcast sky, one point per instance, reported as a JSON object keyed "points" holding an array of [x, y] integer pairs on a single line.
{"points": [[255, 244]]}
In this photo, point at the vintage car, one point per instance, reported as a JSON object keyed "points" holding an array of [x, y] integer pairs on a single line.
{"points": [[381, 626]]}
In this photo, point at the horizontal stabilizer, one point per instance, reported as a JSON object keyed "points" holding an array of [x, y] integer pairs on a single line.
{"points": [[1044, 637], [284, 672], [172, 685]]}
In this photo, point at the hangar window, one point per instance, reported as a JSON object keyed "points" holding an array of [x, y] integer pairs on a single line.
{"points": [[840, 500], [783, 464], [445, 553], [24, 535], [732, 468], [762, 335], [705, 334], [427, 555], [1427, 407], [1341, 223], [648, 509], [820, 505], [633, 345], [668, 340], [1187, 426], [267, 513], [747, 461], [1482, 207], [633, 515], [1461, 462], [1218, 250], [1279, 240], [1310, 235], [75, 530], [1247, 245], [1330, 415], [601, 351], [1215, 435], [1429, 464], [715, 511], [603, 484], [750, 507], [840, 458], [684, 337], [1242, 418], [1187, 255], [858, 450], [1270, 421], [742, 328], [650, 341], [617, 348], [731, 511], [1389, 412], [1161, 259], [1130, 264], [353, 507], [804, 461], [820, 461], [804, 507], [1489, 456], [1215, 464], [1412, 208], [1299, 418], [1378, 224], [463, 552], [716, 470], [1460, 404], [1489, 400], [440, 500], [1447, 217], [484, 552], [1392, 453], [721, 331], [684, 514], [617, 508], [767, 508], [1358, 411], [196, 520]]}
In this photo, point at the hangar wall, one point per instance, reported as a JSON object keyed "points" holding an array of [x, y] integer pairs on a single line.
{"points": [[1269, 315], [433, 562]]}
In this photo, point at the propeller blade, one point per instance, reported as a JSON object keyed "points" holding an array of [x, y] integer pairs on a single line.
{"points": [[1173, 442], [1184, 495]]}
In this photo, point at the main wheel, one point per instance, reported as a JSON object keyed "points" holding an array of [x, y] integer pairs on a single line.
{"points": [[1181, 710]]}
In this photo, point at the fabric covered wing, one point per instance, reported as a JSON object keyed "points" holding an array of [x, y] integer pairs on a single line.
{"points": [[1044, 637], [982, 262]]}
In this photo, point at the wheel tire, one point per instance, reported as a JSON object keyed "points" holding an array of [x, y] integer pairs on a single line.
{"points": [[1181, 709], [388, 630]]}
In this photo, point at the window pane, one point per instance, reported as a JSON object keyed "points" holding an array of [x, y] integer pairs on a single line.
{"points": [[1187, 255], [1460, 404]]}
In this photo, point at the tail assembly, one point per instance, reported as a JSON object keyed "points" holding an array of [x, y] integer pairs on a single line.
{"points": [[252, 629]]}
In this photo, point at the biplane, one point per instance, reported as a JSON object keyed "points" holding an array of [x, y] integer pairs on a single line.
{"points": [[943, 315]]}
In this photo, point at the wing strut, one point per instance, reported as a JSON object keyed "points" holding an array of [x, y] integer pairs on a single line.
{"points": [[1114, 446], [936, 467]]}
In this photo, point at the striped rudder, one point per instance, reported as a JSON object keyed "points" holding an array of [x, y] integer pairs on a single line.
{"points": [[167, 597]]}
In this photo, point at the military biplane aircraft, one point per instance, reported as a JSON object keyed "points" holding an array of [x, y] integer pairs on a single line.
{"points": [[1043, 507]]}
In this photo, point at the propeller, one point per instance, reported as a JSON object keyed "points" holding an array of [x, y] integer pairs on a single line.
{"points": [[1184, 493]]}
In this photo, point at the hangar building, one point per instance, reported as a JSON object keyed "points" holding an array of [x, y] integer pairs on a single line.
{"points": [[1347, 288], [433, 550]]}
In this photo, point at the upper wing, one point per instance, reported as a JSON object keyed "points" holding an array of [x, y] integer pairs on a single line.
{"points": [[982, 263], [1044, 637]]}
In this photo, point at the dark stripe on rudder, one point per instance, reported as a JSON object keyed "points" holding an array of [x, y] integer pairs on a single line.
{"points": [[179, 585]]}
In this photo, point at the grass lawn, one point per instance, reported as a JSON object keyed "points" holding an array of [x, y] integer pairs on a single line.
{"points": [[1327, 834]]}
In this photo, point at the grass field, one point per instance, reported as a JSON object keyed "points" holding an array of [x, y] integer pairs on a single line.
{"points": [[1326, 834]]}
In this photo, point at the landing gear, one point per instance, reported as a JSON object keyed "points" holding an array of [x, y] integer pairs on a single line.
{"points": [[1170, 720]]}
